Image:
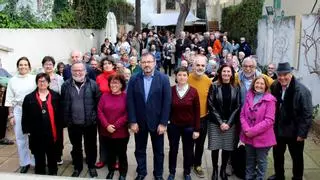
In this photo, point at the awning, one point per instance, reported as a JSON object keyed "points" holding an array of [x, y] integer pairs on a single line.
{"points": [[167, 19]]}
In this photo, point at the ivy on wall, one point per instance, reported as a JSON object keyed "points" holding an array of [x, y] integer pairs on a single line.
{"points": [[88, 14], [242, 20]]}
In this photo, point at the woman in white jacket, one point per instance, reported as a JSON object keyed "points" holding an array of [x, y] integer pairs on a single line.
{"points": [[19, 86]]}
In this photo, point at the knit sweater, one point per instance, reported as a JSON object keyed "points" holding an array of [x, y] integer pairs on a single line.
{"points": [[112, 110], [202, 85], [102, 81], [185, 111]]}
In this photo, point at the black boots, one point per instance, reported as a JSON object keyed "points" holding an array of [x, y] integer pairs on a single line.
{"points": [[223, 174], [215, 173]]}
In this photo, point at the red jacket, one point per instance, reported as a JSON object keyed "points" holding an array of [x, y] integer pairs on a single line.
{"points": [[102, 80]]}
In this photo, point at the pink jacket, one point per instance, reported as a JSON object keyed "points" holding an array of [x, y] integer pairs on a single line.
{"points": [[258, 121]]}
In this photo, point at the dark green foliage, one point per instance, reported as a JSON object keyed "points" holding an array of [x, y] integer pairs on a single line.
{"points": [[89, 14], [59, 6], [242, 20]]}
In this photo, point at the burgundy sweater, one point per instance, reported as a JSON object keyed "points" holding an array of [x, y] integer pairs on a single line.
{"points": [[185, 111], [112, 110]]}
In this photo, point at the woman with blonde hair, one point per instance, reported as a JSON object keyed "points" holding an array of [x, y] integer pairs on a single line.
{"points": [[257, 119]]}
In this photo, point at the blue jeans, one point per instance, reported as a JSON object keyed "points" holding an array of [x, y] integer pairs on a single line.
{"points": [[256, 162]]}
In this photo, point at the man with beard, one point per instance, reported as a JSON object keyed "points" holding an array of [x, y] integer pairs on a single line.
{"points": [[80, 96], [149, 104], [247, 74], [200, 81]]}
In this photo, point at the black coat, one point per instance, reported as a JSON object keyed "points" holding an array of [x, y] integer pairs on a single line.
{"points": [[32, 122], [294, 113], [91, 98], [215, 104], [180, 48]]}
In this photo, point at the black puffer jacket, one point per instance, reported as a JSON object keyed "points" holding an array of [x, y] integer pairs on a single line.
{"points": [[91, 99], [294, 113]]}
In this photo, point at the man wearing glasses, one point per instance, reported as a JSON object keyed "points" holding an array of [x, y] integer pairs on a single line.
{"points": [[271, 71], [80, 96], [149, 104]]}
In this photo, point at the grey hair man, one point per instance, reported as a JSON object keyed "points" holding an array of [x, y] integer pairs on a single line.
{"points": [[75, 56], [80, 96], [292, 123], [246, 75]]}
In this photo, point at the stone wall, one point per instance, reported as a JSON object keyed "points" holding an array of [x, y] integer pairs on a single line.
{"points": [[296, 40]]}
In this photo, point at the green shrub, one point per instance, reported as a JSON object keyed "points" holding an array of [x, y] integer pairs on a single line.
{"points": [[89, 14], [242, 20]]}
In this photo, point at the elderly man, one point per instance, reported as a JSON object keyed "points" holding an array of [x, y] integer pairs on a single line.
{"points": [[80, 96], [94, 64], [76, 56], [200, 81], [247, 74], [293, 121], [271, 71], [149, 104]]}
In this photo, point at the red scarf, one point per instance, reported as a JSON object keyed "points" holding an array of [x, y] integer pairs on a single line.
{"points": [[51, 114]]}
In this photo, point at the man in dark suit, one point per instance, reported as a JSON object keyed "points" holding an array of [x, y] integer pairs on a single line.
{"points": [[149, 103]]}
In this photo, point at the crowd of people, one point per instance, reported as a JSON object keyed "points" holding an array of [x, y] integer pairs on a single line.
{"points": [[219, 92]]}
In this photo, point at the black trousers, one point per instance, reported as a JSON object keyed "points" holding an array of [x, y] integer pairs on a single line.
{"points": [[174, 133], [89, 134], [103, 155], [167, 66], [3, 121], [296, 153], [46, 152], [141, 141], [59, 144], [199, 142], [117, 148]]}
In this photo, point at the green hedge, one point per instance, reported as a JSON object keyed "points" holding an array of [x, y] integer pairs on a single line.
{"points": [[242, 20]]}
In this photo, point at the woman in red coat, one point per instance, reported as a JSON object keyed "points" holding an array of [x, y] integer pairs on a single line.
{"points": [[108, 67]]}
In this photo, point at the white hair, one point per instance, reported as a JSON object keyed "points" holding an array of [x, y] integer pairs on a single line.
{"points": [[250, 58]]}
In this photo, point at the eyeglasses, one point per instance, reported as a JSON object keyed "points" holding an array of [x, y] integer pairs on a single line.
{"points": [[248, 66], [48, 65], [147, 62], [42, 81], [78, 70]]}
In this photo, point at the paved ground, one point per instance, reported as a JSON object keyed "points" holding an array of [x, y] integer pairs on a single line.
{"points": [[9, 162]]}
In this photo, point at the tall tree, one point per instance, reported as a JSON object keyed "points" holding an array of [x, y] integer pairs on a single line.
{"points": [[184, 10], [138, 15]]}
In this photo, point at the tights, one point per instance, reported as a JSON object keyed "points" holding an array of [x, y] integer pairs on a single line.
{"points": [[215, 157]]}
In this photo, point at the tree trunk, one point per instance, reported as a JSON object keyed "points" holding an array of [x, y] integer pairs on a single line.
{"points": [[158, 6], [138, 16], [184, 11]]}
